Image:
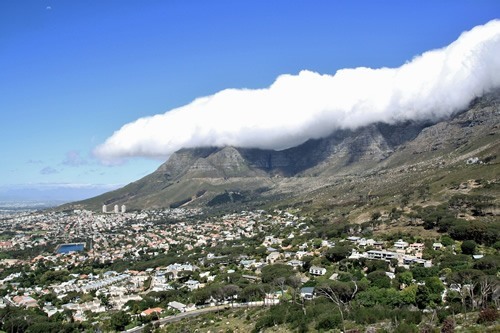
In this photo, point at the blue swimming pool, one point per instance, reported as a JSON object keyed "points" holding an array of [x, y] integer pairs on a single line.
{"points": [[66, 248]]}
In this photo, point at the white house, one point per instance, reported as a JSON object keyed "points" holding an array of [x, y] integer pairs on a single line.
{"points": [[295, 263], [272, 257], [192, 284], [437, 246], [177, 306], [400, 244], [386, 255], [315, 270]]}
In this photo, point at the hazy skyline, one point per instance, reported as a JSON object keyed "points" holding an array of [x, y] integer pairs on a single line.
{"points": [[75, 72]]}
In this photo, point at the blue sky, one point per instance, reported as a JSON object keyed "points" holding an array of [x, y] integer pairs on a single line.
{"points": [[74, 72]]}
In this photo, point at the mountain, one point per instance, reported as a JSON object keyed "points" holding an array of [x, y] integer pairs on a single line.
{"points": [[386, 159]]}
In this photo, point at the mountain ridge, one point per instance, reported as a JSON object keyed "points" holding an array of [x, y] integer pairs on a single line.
{"points": [[195, 176]]}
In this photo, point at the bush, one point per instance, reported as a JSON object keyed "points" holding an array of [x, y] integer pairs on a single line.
{"points": [[487, 315], [406, 328], [448, 326], [328, 321]]}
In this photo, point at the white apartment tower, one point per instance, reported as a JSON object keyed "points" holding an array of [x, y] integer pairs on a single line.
{"points": [[124, 208], [104, 209], [117, 209]]}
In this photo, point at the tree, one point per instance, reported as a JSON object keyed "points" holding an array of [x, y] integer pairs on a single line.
{"points": [[337, 253], [489, 264], [488, 285], [469, 280], [105, 301], [409, 294], [253, 292], [376, 215], [379, 279], [119, 320], [272, 272], [422, 297], [468, 247], [339, 293], [404, 278], [447, 240], [435, 287]]}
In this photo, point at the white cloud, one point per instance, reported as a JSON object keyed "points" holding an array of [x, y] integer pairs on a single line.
{"points": [[296, 108]]}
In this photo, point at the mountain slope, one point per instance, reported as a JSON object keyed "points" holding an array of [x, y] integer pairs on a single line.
{"points": [[328, 166]]}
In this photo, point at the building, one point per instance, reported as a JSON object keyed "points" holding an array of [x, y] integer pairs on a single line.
{"points": [[104, 208], [307, 293], [177, 306], [25, 301], [295, 263], [437, 246], [385, 255], [418, 247], [273, 257], [116, 210], [157, 311], [401, 245], [123, 208], [315, 270]]}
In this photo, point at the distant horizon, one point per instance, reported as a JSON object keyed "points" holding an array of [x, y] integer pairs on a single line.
{"points": [[52, 193]]}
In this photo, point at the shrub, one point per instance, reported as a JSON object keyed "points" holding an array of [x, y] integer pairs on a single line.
{"points": [[328, 321], [448, 326], [406, 328], [487, 315]]}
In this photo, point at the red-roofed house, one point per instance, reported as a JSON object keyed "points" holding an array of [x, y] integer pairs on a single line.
{"points": [[150, 311]]}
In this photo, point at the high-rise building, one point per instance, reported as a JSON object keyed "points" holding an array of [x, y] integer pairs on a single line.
{"points": [[124, 208], [117, 209], [104, 208]]}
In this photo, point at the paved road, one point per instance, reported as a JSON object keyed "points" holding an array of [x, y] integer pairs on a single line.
{"points": [[194, 313]]}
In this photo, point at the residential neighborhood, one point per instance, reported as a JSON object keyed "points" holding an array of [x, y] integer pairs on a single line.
{"points": [[152, 264]]}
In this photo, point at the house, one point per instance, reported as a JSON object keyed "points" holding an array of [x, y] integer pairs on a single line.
{"points": [[315, 270], [295, 263], [150, 311], [400, 244], [355, 255], [252, 278], [192, 284], [437, 246], [26, 301], [386, 255], [246, 263], [418, 247], [300, 254], [272, 257], [177, 306], [366, 242], [307, 293]]}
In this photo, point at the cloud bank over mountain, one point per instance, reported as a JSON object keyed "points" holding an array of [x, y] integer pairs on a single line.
{"points": [[296, 108]]}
